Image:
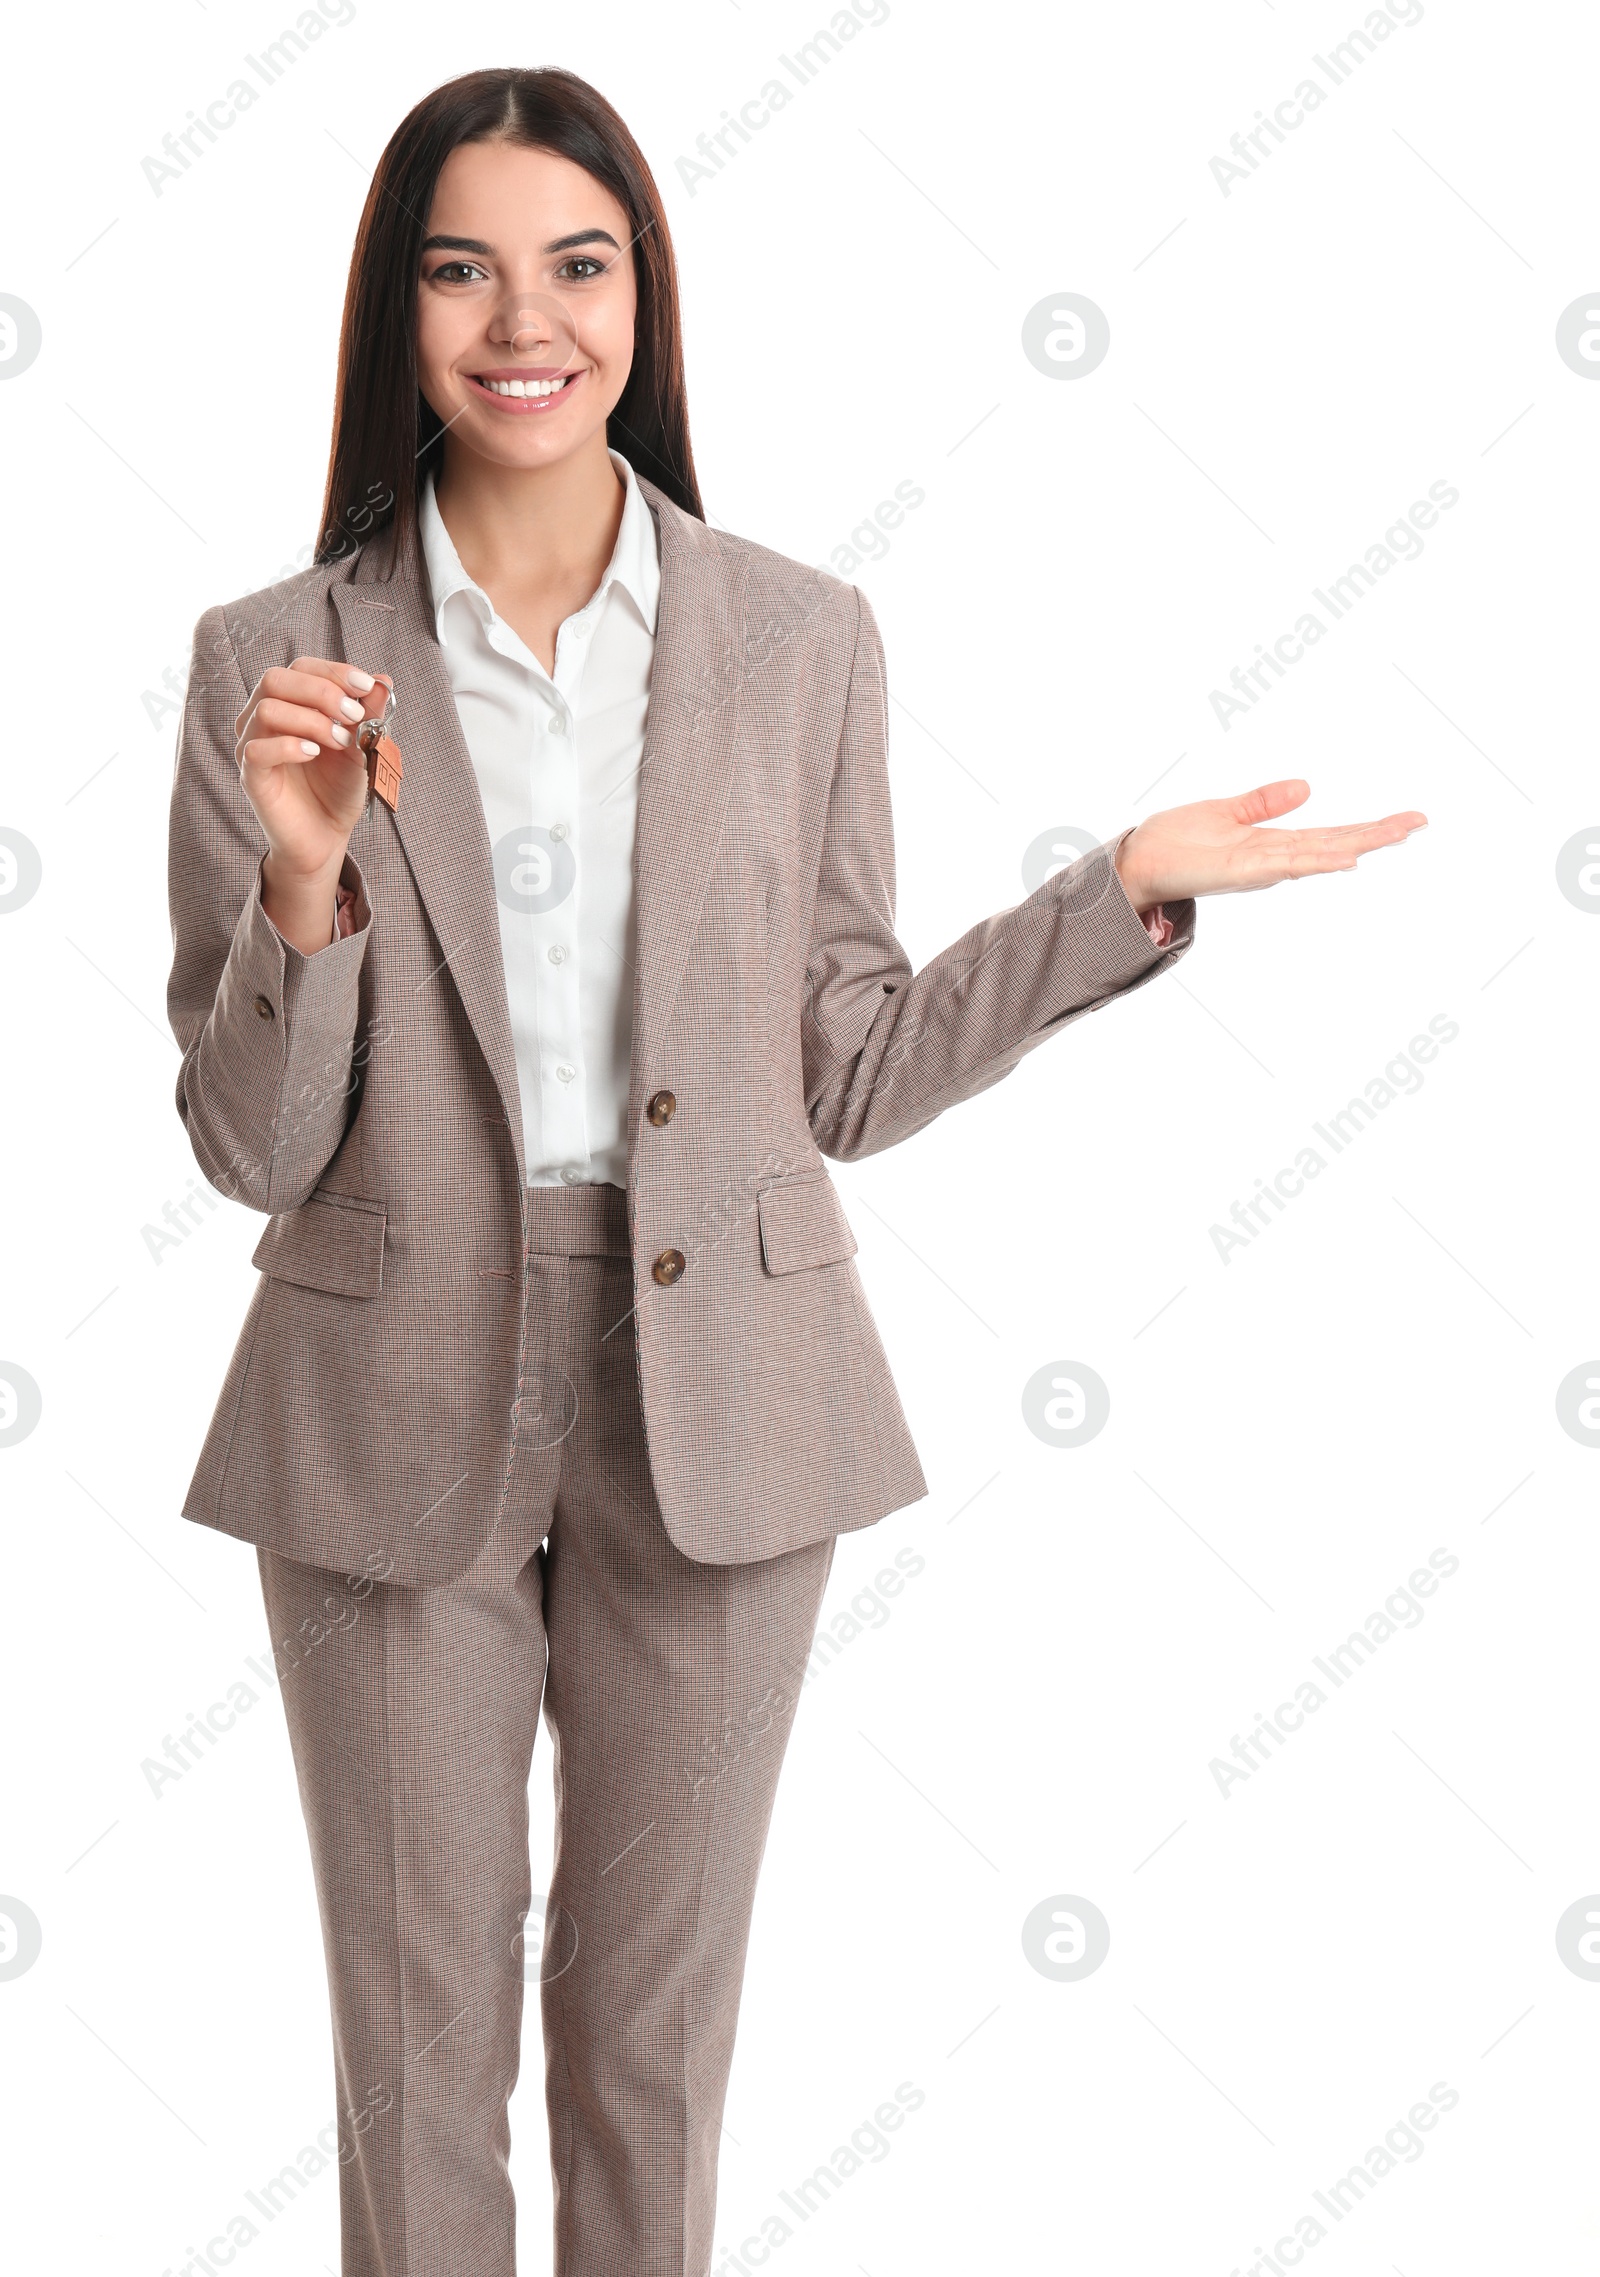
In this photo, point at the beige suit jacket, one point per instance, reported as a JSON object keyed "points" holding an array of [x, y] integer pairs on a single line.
{"points": [[366, 1097]]}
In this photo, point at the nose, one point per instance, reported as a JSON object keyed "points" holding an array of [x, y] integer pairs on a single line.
{"points": [[536, 325]]}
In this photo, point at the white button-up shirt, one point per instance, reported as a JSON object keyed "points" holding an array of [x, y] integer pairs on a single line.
{"points": [[557, 760]]}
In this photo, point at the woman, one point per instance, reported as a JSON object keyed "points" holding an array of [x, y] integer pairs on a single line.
{"points": [[560, 1383]]}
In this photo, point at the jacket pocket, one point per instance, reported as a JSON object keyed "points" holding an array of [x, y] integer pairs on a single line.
{"points": [[803, 1223], [332, 1242]]}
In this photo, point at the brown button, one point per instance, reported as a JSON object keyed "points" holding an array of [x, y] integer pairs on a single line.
{"points": [[264, 1007], [662, 1108], [668, 1267]]}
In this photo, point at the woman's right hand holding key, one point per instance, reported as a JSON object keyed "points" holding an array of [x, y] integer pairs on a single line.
{"points": [[306, 778]]}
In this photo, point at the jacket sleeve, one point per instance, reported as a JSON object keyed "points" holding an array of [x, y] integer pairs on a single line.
{"points": [[884, 1050], [267, 1034]]}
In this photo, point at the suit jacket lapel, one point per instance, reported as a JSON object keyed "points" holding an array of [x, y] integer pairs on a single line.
{"points": [[387, 624], [686, 771]]}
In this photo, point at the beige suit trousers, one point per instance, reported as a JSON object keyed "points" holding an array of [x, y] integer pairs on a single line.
{"points": [[668, 1687]]}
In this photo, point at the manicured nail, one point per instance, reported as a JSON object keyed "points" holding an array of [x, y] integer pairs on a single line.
{"points": [[339, 734], [311, 750], [359, 679], [350, 708]]}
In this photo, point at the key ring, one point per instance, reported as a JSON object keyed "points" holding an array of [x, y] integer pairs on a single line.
{"points": [[370, 730]]}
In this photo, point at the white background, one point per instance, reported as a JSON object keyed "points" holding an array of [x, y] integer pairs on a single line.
{"points": [[1293, 1965]]}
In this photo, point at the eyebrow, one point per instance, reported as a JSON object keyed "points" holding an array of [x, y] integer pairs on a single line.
{"points": [[556, 245]]}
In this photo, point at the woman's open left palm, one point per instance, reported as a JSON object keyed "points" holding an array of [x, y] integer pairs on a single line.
{"points": [[1220, 845]]}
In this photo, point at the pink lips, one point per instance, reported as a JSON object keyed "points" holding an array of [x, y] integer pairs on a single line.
{"points": [[524, 404]]}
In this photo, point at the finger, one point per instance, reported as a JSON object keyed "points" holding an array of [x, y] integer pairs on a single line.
{"points": [[1402, 824], [1268, 799], [349, 676], [1357, 837], [264, 752], [320, 691], [374, 689], [1312, 853], [272, 717], [378, 698]]}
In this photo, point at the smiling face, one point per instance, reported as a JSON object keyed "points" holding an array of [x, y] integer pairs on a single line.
{"points": [[525, 305]]}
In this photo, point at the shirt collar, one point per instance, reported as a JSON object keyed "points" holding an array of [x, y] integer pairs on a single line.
{"points": [[635, 562]]}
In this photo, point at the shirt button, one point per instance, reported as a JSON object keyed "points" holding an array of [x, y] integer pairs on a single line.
{"points": [[558, 725], [557, 954], [558, 830], [571, 1177], [566, 1073], [668, 1267]]}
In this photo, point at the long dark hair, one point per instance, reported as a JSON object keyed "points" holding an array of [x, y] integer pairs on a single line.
{"points": [[385, 435]]}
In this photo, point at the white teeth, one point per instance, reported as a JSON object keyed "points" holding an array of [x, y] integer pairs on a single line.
{"points": [[525, 387]]}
